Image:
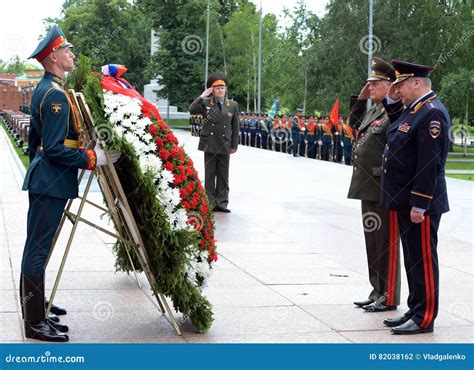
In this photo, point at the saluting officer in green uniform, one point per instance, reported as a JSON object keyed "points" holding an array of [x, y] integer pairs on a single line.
{"points": [[51, 179], [219, 138], [380, 225]]}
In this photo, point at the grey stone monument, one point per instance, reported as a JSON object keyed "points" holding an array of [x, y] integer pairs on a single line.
{"points": [[150, 89]]}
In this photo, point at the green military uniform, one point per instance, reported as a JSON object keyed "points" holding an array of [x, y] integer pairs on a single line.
{"points": [[381, 235], [219, 134], [51, 179]]}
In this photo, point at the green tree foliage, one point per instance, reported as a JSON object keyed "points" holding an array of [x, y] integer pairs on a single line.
{"points": [[109, 31], [307, 61]]}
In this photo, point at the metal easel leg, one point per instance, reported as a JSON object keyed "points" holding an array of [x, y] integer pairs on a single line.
{"points": [[69, 243], [61, 223]]}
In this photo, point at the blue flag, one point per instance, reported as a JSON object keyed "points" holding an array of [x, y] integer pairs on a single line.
{"points": [[273, 110]]}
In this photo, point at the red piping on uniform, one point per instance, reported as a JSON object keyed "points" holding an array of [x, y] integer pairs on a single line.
{"points": [[430, 270], [425, 245], [390, 261]]}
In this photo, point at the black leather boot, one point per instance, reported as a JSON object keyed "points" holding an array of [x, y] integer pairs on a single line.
{"points": [[56, 309], [36, 327]]}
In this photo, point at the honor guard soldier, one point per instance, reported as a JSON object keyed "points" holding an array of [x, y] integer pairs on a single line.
{"points": [[258, 136], [245, 129], [252, 130], [317, 138], [295, 133], [311, 137], [219, 138], [275, 137], [265, 131], [414, 186], [326, 138], [51, 179], [285, 132], [241, 129], [336, 130], [347, 140], [302, 136], [381, 241]]}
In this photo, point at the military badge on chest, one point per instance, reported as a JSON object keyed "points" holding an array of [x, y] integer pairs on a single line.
{"points": [[404, 127], [56, 108], [377, 123], [435, 129]]}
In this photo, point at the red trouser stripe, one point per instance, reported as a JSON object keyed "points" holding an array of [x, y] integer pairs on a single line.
{"points": [[428, 271], [391, 259], [395, 254]]}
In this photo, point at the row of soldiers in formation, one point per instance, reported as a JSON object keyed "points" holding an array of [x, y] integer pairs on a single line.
{"points": [[305, 136]]}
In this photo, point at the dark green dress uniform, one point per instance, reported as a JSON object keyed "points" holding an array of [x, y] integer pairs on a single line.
{"points": [[219, 134], [414, 176], [51, 179], [380, 225]]}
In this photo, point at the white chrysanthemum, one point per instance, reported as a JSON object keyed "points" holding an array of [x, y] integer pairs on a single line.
{"points": [[181, 219], [150, 163], [116, 117], [174, 196], [119, 130], [167, 176]]}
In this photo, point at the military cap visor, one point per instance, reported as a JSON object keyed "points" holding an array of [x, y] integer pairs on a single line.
{"points": [[381, 71], [405, 70], [54, 40]]}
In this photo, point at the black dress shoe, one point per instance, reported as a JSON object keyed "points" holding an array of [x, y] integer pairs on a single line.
{"points": [[44, 331], [400, 320], [58, 326], [53, 317], [376, 306], [363, 303], [56, 309], [411, 327], [220, 209]]}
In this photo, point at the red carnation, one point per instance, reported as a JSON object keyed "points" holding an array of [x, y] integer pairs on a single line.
{"points": [[174, 151], [159, 142], [206, 235], [170, 138], [213, 257], [164, 154], [169, 166], [152, 129]]}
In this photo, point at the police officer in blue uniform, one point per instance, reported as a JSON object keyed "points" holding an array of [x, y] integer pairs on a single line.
{"points": [[414, 185], [51, 179]]}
